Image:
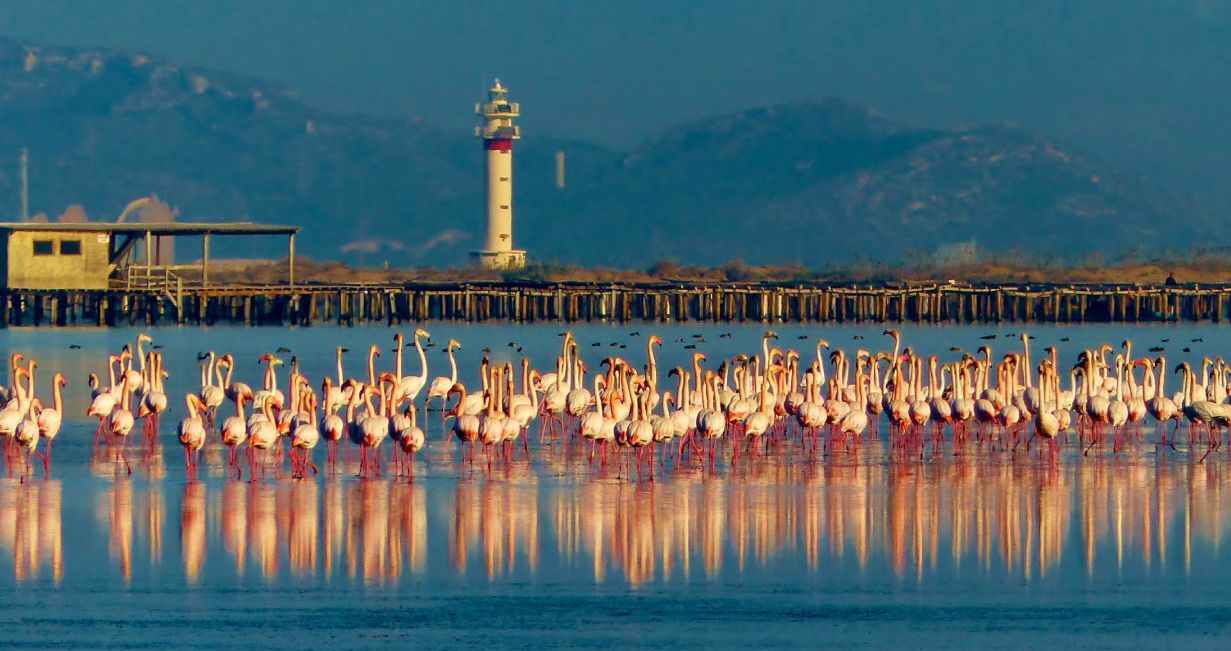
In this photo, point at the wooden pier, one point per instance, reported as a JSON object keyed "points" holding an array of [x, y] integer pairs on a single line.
{"points": [[303, 305]]}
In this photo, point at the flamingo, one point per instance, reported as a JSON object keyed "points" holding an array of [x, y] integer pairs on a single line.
{"points": [[523, 412], [332, 425], [211, 394], [191, 432], [641, 430], [578, 399], [120, 423], [408, 387], [757, 423], [304, 439], [491, 429], [154, 400], [1046, 423], [441, 386], [374, 429], [465, 425], [26, 435], [262, 435], [235, 431], [555, 395], [232, 389], [856, 420], [411, 440], [1161, 407], [49, 419], [592, 423], [104, 402], [9, 393], [18, 404]]}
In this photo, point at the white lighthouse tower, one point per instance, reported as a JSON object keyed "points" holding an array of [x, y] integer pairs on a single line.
{"points": [[498, 133]]}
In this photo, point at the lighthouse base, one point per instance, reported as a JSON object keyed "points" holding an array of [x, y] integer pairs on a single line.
{"points": [[501, 260]]}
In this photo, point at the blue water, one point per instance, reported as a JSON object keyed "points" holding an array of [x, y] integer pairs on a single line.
{"points": [[864, 548]]}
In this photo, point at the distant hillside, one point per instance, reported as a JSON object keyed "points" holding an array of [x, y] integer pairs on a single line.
{"points": [[830, 181], [812, 182]]}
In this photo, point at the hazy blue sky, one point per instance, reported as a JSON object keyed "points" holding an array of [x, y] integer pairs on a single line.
{"points": [[1141, 82]]}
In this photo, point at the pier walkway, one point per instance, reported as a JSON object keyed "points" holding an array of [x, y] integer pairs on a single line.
{"points": [[170, 301]]}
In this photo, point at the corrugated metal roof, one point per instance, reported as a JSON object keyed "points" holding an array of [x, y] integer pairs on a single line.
{"points": [[163, 228]]}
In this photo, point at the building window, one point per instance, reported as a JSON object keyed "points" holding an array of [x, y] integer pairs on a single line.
{"points": [[504, 178], [70, 247], [44, 247], [504, 207]]}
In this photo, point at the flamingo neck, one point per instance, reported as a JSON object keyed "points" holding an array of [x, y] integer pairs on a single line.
{"points": [[397, 364], [1028, 374], [422, 360]]}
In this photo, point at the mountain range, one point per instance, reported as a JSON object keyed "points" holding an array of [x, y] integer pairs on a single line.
{"points": [[817, 183]]}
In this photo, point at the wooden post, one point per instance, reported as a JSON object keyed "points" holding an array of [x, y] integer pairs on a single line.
{"points": [[290, 261], [149, 256], [205, 260]]}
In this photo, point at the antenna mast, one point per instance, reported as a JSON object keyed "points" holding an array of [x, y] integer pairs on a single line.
{"points": [[25, 185]]}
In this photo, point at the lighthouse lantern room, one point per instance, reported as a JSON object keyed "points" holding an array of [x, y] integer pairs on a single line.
{"points": [[498, 132]]}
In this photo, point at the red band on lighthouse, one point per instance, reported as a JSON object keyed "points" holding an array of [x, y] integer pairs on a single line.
{"points": [[499, 144]]}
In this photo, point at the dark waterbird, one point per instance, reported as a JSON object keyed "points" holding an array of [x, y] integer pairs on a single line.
{"points": [[1157, 349], [988, 337], [74, 346]]}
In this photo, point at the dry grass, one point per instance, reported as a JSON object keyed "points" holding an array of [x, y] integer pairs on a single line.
{"points": [[1207, 268]]}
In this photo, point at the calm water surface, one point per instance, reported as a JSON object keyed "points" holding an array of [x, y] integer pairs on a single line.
{"points": [[864, 548]]}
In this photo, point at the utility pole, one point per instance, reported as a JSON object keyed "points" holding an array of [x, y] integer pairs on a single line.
{"points": [[25, 185]]}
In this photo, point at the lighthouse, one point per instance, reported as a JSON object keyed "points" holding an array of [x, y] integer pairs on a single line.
{"points": [[497, 131]]}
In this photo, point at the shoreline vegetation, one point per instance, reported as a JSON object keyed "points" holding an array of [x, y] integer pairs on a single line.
{"points": [[1202, 268]]}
